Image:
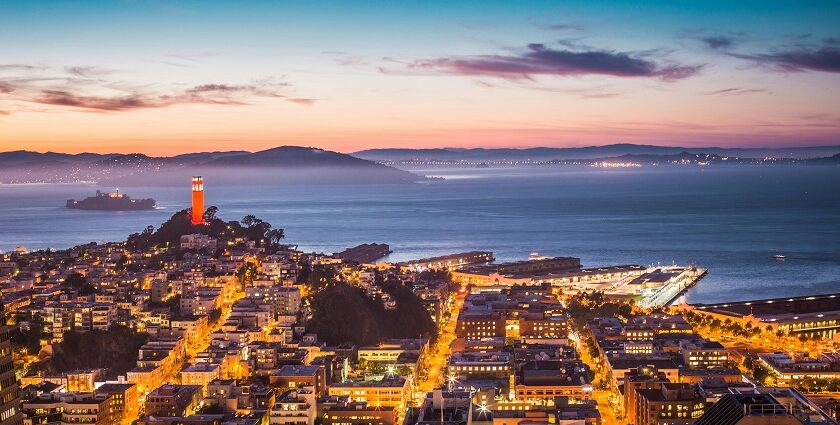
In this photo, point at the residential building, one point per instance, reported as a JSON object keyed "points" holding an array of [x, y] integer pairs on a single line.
{"points": [[68, 409], [294, 407], [670, 404], [298, 376], [10, 413], [124, 404], [389, 391], [174, 400], [704, 354], [358, 413]]}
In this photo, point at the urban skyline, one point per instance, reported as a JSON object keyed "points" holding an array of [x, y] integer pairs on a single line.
{"points": [[419, 212]]}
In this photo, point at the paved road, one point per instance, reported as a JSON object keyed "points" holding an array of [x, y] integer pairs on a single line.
{"points": [[440, 352], [200, 344], [607, 413], [602, 397]]}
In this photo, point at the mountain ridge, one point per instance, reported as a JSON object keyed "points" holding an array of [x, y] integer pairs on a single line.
{"points": [[280, 165], [584, 152]]}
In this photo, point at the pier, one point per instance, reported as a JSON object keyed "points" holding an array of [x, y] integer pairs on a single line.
{"points": [[671, 290], [365, 253], [803, 314]]}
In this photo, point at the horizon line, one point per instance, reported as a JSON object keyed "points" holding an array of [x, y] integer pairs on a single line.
{"points": [[450, 148]]}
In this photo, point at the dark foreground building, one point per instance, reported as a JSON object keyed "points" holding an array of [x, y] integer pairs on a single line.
{"points": [[10, 413]]}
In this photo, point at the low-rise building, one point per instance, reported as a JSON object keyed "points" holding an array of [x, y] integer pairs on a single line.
{"points": [[788, 368], [358, 413], [67, 316], [670, 404], [641, 378], [298, 376], [478, 365], [294, 407], [124, 403], [704, 354], [198, 241], [200, 374], [174, 400], [386, 392], [67, 409], [539, 382]]}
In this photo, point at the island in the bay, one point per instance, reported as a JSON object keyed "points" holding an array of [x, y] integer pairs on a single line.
{"points": [[111, 201]]}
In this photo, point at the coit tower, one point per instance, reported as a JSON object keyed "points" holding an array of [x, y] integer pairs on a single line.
{"points": [[197, 200]]}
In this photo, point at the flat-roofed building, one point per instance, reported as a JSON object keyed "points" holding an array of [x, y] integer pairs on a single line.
{"points": [[647, 378], [174, 400], [391, 350], [68, 408], [124, 405], [200, 374], [68, 316], [495, 365], [198, 241], [539, 382], [704, 354], [10, 413], [619, 367], [540, 326], [788, 368], [294, 407], [808, 314], [477, 325], [389, 391], [298, 376], [540, 265], [524, 417], [748, 409], [568, 412], [82, 380], [359, 413], [452, 261], [670, 404]]}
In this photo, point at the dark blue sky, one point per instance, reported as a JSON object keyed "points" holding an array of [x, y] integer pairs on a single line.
{"points": [[173, 76]]}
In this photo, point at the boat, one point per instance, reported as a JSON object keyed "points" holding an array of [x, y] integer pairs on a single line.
{"points": [[779, 257], [111, 201]]}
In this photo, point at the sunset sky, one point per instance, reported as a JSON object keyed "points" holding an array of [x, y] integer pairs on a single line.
{"points": [[167, 77]]}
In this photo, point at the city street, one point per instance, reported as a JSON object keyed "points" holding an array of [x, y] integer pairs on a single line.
{"points": [[602, 397], [201, 343], [439, 355]]}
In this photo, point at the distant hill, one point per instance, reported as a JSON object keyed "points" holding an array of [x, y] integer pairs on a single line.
{"points": [[207, 156], [29, 157], [588, 152], [306, 165], [281, 165], [291, 156], [831, 160]]}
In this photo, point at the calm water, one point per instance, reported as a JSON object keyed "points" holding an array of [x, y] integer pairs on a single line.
{"points": [[731, 220]]}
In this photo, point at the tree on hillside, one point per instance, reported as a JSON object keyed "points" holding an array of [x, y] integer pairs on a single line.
{"points": [[342, 313], [273, 238], [247, 273], [115, 349], [78, 282], [210, 214], [180, 224], [29, 339], [321, 276], [410, 319]]}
